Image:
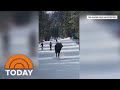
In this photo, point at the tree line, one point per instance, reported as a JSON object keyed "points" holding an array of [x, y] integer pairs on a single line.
{"points": [[58, 24]]}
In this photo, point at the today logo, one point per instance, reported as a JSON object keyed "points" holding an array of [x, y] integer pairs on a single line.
{"points": [[19, 65]]}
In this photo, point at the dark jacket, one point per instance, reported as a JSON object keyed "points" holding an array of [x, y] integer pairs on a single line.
{"points": [[42, 44], [50, 44], [58, 47]]}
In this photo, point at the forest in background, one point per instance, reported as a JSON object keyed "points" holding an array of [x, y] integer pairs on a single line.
{"points": [[58, 24]]}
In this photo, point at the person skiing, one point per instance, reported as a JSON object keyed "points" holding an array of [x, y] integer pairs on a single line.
{"points": [[50, 45], [58, 48], [42, 45]]}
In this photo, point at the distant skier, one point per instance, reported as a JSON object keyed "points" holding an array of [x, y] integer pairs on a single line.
{"points": [[50, 45], [58, 48], [42, 45]]}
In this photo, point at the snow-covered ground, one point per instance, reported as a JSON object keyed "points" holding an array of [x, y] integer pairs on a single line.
{"points": [[67, 67], [99, 50]]}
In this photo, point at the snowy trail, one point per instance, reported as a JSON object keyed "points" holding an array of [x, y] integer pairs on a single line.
{"points": [[67, 67]]}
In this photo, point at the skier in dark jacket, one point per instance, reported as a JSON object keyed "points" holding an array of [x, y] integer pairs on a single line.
{"points": [[50, 45], [42, 45], [58, 48]]}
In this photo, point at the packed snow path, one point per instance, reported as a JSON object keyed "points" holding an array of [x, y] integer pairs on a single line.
{"points": [[66, 67]]}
